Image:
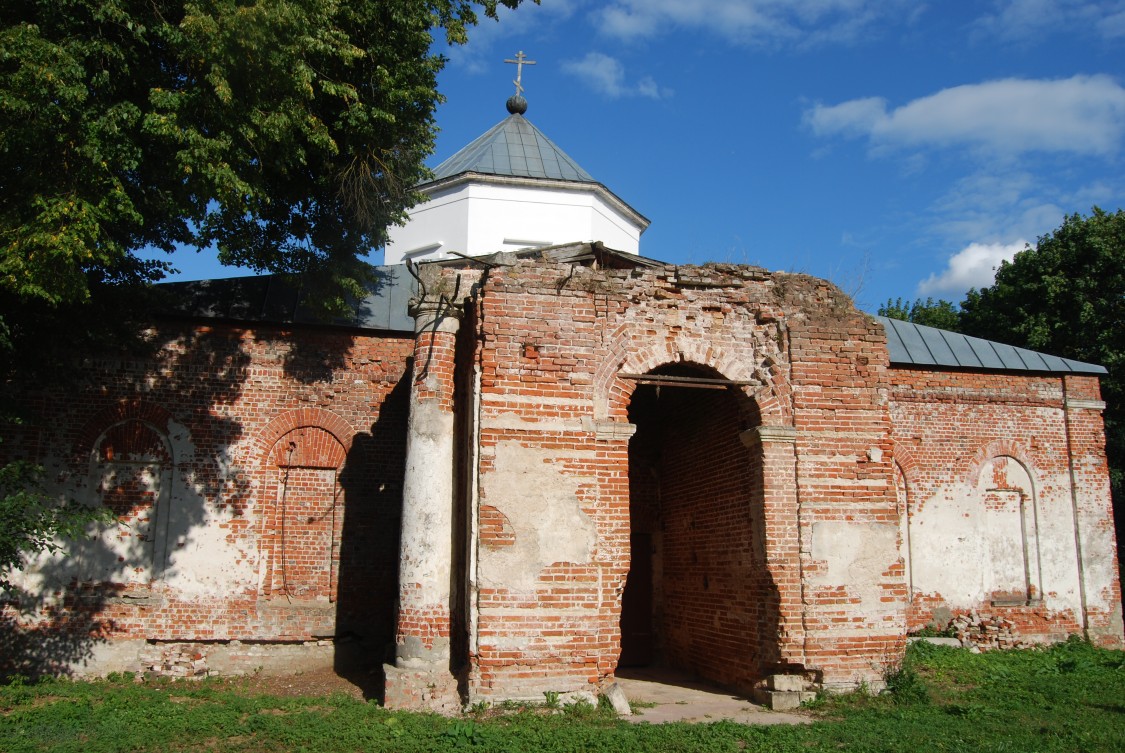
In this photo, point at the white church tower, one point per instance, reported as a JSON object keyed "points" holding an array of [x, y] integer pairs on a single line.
{"points": [[512, 188]]}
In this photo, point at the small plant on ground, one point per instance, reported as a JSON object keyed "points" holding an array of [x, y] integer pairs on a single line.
{"points": [[582, 709], [935, 631], [461, 733], [905, 686]]}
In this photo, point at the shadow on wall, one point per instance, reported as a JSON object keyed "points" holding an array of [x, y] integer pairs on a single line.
{"points": [[372, 478], [52, 647], [103, 436], [151, 434]]}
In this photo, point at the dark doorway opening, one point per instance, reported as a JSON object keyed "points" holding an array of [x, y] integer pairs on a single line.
{"points": [[698, 596]]}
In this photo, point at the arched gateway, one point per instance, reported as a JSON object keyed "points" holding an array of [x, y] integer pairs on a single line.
{"points": [[699, 596], [635, 475]]}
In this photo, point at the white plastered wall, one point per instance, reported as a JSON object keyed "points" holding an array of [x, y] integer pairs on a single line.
{"points": [[182, 545], [476, 218], [1008, 537]]}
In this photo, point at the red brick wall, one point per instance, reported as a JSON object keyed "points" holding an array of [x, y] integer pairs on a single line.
{"points": [[776, 513], [251, 538], [555, 628], [954, 432], [853, 578], [553, 341]]}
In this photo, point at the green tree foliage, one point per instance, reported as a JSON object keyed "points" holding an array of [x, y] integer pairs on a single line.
{"points": [[38, 342], [941, 313], [1066, 296], [288, 133], [30, 521]]}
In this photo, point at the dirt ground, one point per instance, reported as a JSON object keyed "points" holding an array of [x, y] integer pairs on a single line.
{"points": [[360, 685], [664, 695]]}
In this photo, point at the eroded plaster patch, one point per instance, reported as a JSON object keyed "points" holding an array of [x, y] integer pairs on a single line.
{"points": [[541, 506], [855, 555]]}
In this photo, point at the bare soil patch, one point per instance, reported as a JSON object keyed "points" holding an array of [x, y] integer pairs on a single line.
{"points": [[359, 685]]}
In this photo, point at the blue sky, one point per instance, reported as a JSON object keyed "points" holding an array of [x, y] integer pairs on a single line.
{"points": [[898, 148]]}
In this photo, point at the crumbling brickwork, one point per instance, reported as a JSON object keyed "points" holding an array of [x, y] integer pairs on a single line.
{"points": [[566, 467], [810, 504], [1009, 518], [256, 475]]}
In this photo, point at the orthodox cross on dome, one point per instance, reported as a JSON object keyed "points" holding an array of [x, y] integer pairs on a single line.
{"points": [[516, 104], [520, 61]]}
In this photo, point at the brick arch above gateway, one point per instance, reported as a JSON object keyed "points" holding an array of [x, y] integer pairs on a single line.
{"points": [[632, 354]]}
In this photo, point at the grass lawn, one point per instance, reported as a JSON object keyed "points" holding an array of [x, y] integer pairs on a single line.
{"points": [[1067, 698]]}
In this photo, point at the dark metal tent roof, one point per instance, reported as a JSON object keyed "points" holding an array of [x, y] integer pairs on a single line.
{"points": [[513, 147]]}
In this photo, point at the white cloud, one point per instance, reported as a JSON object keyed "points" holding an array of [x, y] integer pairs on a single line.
{"points": [[972, 267], [1032, 20], [606, 75], [856, 117], [990, 206], [983, 212], [1080, 115], [998, 204], [647, 87], [477, 56], [752, 21], [1113, 25]]}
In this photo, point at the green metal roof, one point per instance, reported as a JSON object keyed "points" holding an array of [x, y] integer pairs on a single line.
{"points": [[279, 300], [917, 345], [272, 298], [513, 147]]}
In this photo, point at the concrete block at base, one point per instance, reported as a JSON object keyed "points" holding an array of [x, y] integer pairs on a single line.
{"points": [[578, 696], [101, 658], [787, 683], [422, 690], [617, 698], [200, 659], [783, 700], [237, 658]]}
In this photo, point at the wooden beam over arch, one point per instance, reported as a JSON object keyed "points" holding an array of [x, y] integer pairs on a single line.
{"points": [[666, 380]]}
